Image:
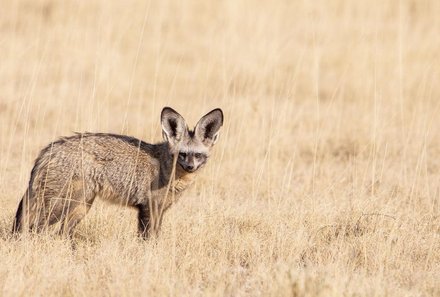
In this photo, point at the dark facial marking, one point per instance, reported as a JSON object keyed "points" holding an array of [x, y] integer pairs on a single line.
{"points": [[191, 161], [182, 155]]}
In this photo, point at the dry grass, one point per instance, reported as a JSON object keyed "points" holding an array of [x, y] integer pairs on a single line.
{"points": [[326, 178]]}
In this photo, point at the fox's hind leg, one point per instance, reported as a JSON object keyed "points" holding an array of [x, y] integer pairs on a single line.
{"points": [[76, 207], [73, 217], [30, 213]]}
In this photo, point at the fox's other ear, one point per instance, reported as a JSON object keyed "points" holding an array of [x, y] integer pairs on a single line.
{"points": [[208, 127], [173, 125]]}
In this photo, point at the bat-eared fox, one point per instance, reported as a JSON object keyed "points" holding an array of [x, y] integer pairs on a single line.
{"points": [[71, 172]]}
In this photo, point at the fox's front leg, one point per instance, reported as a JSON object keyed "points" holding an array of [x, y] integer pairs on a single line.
{"points": [[144, 221]]}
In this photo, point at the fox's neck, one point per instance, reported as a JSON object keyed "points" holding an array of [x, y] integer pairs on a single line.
{"points": [[182, 179]]}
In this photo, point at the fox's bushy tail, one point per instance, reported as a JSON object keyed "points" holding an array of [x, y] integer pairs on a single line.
{"points": [[17, 225]]}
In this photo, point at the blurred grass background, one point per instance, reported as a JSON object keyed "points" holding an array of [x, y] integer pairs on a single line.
{"points": [[325, 180]]}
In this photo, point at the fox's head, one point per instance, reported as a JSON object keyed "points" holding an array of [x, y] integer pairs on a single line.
{"points": [[192, 147]]}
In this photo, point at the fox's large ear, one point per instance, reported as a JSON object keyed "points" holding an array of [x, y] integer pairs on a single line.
{"points": [[208, 127], [173, 125]]}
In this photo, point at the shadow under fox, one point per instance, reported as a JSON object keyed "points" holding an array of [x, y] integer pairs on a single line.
{"points": [[70, 173]]}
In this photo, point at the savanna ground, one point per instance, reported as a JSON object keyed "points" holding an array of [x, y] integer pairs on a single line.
{"points": [[325, 180]]}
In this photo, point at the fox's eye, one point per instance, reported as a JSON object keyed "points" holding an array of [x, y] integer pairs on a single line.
{"points": [[182, 155], [197, 155]]}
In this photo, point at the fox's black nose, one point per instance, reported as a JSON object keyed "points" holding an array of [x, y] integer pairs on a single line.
{"points": [[190, 168]]}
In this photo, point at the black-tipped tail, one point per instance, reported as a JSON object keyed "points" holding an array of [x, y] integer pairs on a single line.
{"points": [[16, 227]]}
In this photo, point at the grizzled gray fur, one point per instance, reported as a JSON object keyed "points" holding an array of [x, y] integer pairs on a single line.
{"points": [[70, 173]]}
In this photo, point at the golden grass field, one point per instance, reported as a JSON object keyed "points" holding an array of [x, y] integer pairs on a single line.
{"points": [[325, 180]]}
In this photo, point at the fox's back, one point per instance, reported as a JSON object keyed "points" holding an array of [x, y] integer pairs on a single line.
{"points": [[106, 162]]}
